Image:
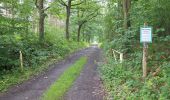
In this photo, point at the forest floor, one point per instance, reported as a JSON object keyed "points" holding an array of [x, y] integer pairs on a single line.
{"points": [[87, 86]]}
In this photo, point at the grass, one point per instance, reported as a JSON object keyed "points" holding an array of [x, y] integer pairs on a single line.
{"points": [[15, 76], [36, 56], [124, 81], [65, 81]]}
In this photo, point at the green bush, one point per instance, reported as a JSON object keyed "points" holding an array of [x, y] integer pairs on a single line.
{"points": [[35, 53], [124, 81]]}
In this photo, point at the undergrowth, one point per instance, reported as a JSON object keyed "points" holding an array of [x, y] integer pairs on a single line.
{"points": [[124, 81], [35, 54]]}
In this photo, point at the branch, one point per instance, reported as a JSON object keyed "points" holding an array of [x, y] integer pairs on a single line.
{"points": [[62, 2], [88, 19], [46, 8], [77, 4], [93, 16], [83, 14], [77, 8], [37, 6]]}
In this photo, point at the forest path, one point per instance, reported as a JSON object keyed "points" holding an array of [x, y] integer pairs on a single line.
{"points": [[86, 87]]}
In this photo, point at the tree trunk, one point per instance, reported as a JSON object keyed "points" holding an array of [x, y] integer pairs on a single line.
{"points": [[41, 20], [41, 27], [78, 34], [34, 23], [126, 7], [83, 37], [68, 8]]}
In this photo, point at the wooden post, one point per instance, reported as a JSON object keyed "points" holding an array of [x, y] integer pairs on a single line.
{"points": [[21, 61], [114, 55], [144, 61], [121, 57]]}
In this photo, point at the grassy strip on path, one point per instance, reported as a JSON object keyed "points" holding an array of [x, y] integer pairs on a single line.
{"points": [[65, 81]]}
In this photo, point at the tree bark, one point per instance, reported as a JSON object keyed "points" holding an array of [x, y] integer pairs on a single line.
{"points": [[78, 34], [41, 11], [41, 20], [126, 7], [83, 37], [68, 8]]}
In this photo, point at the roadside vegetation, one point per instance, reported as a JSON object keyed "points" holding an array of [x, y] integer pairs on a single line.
{"points": [[36, 56], [124, 81], [57, 90], [44, 31]]}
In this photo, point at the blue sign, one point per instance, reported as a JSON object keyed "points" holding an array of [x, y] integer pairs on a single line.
{"points": [[146, 35]]}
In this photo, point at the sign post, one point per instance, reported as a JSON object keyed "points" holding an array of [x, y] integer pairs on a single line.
{"points": [[145, 38]]}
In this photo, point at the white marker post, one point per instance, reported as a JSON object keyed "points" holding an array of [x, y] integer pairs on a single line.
{"points": [[21, 61], [145, 38]]}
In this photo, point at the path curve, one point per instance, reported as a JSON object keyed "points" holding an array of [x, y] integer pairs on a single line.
{"points": [[86, 87]]}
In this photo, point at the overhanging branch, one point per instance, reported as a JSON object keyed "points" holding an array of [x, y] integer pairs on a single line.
{"points": [[62, 3], [90, 17], [77, 4], [36, 4], [46, 8]]}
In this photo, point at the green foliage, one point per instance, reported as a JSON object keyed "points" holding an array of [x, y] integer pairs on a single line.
{"points": [[18, 32], [65, 81], [34, 53], [155, 12], [124, 80], [15, 76]]}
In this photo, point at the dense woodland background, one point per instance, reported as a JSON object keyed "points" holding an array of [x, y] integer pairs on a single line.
{"points": [[123, 20], [45, 30]]}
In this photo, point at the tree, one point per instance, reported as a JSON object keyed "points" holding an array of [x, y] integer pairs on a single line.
{"points": [[85, 13], [126, 8], [41, 10], [82, 22], [68, 5]]}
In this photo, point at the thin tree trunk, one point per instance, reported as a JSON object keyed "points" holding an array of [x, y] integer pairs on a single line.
{"points": [[126, 7], [78, 34], [68, 8], [13, 16], [67, 24], [41, 20], [83, 37], [125, 14], [41, 28], [27, 25]]}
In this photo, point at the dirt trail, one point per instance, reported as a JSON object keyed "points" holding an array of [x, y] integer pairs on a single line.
{"points": [[87, 86]]}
